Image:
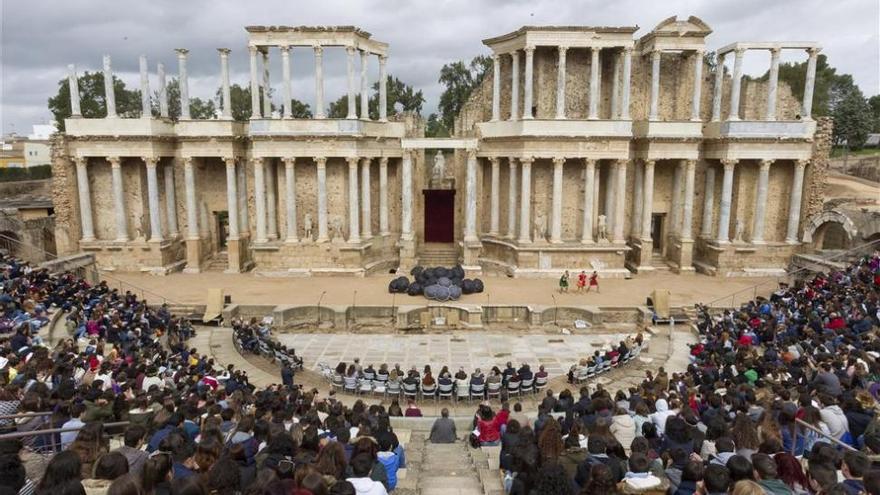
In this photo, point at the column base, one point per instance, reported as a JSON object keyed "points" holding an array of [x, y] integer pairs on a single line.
{"points": [[587, 241], [193, 256], [291, 240], [793, 242], [234, 252], [88, 239], [758, 242]]}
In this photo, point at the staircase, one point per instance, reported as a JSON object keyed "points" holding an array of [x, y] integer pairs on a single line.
{"points": [[659, 263], [448, 471], [217, 263], [438, 254]]}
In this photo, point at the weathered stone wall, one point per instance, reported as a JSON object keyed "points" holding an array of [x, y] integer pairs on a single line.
{"points": [[816, 179], [64, 198]]}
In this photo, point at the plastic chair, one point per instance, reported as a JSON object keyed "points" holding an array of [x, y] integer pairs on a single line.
{"points": [[445, 391], [365, 387], [513, 388], [540, 383], [392, 388], [493, 390], [410, 390], [527, 386], [429, 391], [477, 391], [350, 384]]}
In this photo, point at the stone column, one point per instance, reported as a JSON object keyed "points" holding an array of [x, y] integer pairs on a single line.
{"points": [[772, 84], [352, 104], [365, 89], [794, 203], [615, 88], [560, 84], [170, 200], [118, 199], [319, 82], [698, 85], [496, 87], [810, 83], [761, 201], [511, 198], [638, 199], [690, 167], [648, 203], [285, 72], [514, 85], [271, 199], [610, 190], [406, 196], [73, 83], [354, 225], [291, 234], [243, 220], [255, 84], [383, 196], [163, 91], [736, 84], [146, 109], [589, 179], [109, 92], [556, 226], [232, 200], [719, 83], [620, 202], [192, 209], [366, 210], [529, 80], [153, 200], [675, 210], [224, 83], [85, 199], [726, 199], [494, 198], [655, 86], [383, 91], [260, 199], [597, 190], [594, 83], [321, 163], [624, 99], [470, 217], [708, 203], [183, 81], [267, 99], [525, 198]]}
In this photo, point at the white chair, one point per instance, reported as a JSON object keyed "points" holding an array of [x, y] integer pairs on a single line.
{"points": [[477, 391], [462, 392], [365, 387], [369, 376], [392, 388], [337, 382], [410, 390], [429, 391], [381, 377], [493, 389], [350, 384], [513, 388], [540, 383], [584, 374], [444, 391], [527, 386], [379, 388]]}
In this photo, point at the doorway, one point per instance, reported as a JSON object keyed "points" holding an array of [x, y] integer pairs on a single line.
{"points": [[657, 232], [222, 222], [439, 215]]}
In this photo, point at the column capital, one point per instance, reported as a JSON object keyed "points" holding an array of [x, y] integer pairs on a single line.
{"points": [[621, 163], [495, 57], [765, 164], [814, 51], [365, 160], [224, 52], [511, 161], [558, 160], [562, 49], [590, 161], [352, 161], [650, 163], [496, 161], [187, 161], [383, 161], [319, 50], [181, 52], [627, 50], [655, 52], [720, 59], [690, 164], [529, 49], [739, 52], [801, 164], [382, 58], [289, 161], [596, 49], [320, 161], [151, 161], [350, 50], [527, 161], [728, 164], [700, 52], [80, 161], [114, 161], [285, 49], [472, 154], [775, 51], [252, 50], [513, 53], [230, 161]]}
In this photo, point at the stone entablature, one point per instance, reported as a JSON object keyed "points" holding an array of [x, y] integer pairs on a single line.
{"points": [[312, 36]]}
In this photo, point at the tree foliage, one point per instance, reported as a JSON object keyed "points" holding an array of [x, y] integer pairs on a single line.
{"points": [[795, 75], [460, 80], [198, 108], [874, 103], [91, 99], [435, 128], [852, 115], [398, 94]]}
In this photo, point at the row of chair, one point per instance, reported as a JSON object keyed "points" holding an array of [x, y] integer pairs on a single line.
{"points": [[594, 370], [275, 355], [371, 384]]}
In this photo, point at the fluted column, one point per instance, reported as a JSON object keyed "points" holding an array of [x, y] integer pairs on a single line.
{"points": [[260, 199], [794, 203], [146, 109], [589, 179], [708, 203], [560, 84], [529, 82], [810, 83], [285, 73], [726, 200], [514, 85], [365, 90], [615, 87], [109, 91], [232, 199], [267, 98], [648, 201], [118, 199], [319, 82], [470, 218], [719, 83], [271, 199], [625, 94], [352, 104], [610, 191], [291, 234], [354, 224], [675, 209], [321, 173], [655, 85], [183, 81], [761, 201], [620, 202], [243, 220], [594, 83], [192, 209], [384, 228], [406, 196], [736, 84], [525, 220], [163, 91], [496, 87], [511, 198], [687, 218], [698, 85], [85, 199], [73, 84], [170, 200], [637, 200], [153, 200], [366, 210], [255, 83], [494, 197], [224, 83], [383, 90], [772, 84], [556, 226]]}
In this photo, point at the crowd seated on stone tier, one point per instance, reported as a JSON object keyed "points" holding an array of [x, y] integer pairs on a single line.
{"points": [[255, 336]]}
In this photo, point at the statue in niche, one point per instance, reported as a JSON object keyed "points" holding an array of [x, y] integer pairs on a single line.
{"points": [[307, 226], [540, 227], [337, 228], [438, 171], [602, 229], [739, 231]]}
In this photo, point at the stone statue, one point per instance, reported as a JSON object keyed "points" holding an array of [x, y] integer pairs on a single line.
{"points": [[540, 227], [307, 226], [438, 172], [336, 226], [738, 231], [602, 229]]}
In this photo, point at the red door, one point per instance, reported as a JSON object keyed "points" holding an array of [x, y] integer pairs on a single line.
{"points": [[439, 215]]}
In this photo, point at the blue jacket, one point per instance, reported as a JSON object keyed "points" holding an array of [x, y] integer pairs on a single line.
{"points": [[391, 461]]}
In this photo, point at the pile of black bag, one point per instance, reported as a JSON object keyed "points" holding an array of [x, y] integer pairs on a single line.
{"points": [[437, 283]]}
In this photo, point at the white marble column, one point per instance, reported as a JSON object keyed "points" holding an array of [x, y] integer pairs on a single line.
{"points": [[514, 85], [319, 82], [183, 81], [352, 103], [267, 86], [620, 202], [109, 91], [406, 196], [772, 84], [118, 199], [718, 87], [624, 97], [366, 200], [494, 197], [610, 190], [192, 209], [365, 88], [675, 209], [354, 224], [243, 221], [511, 198], [170, 200], [470, 217], [85, 199], [687, 218], [271, 198], [589, 179], [73, 85], [496, 87], [163, 91], [654, 112], [794, 202], [232, 199], [761, 201], [594, 83], [556, 225], [260, 199], [615, 88], [291, 234], [597, 191], [285, 73], [146, 108], [726, 200], [383, 89], [648, 201], [736, 84], [255, 84], [637, 200], [810, 83], [153, 199], [529, 82], [384, 228], [560, 84], [698, 85], [525, 201], [708, 203], [321, 164], [224, 83]]}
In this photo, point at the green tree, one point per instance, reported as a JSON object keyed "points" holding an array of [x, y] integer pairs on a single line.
{"points": [[852, 117], [874, 102], [795, 74], [397, 92], [91, 99], [339, 108], [460, 81], [300, 110], [434, 127], [198, 108]]}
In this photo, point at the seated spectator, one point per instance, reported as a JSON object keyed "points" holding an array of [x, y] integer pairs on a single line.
{"points": [[412, 410], [361, 465], [766, 475], [443, 429], [640, 480], [132, 449]]}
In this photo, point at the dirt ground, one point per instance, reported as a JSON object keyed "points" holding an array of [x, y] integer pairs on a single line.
{"points": [[844, 186]]}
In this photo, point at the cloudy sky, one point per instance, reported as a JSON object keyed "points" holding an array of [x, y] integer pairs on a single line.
{"points": [[40, 37]]}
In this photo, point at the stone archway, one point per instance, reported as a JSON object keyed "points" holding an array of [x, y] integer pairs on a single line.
{"points": [[839, 225], [831, 236]]}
